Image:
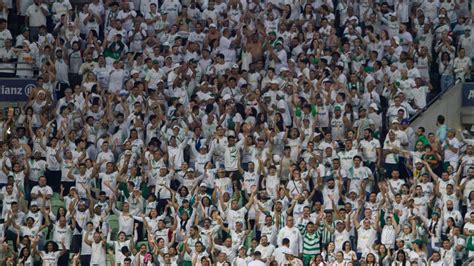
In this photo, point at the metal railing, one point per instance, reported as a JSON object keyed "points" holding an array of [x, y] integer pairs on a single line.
{"points": [[21, 66]]}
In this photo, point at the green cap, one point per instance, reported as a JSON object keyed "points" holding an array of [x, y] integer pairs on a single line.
{"points": [[337, 108], [417, 241]]}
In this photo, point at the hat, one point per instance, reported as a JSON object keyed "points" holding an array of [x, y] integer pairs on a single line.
{"points": [[226, 97], [242, 247], [337, 108], [73, 187], [34, 203], [203, 185], [276, 158], [442, 16], [374, 106], [392, 14], [277, 43], [395, 121], [288, 251], [212, 25], [97, 206], [353, 191], [190, 170], [396, 39], [327, 80], [235, 66], [175, 126], [339, 221], [155, 61], [405, 121], [133, 72], [417, 241], [166, 44], [467, 28], [274, 81], [284, 69]]}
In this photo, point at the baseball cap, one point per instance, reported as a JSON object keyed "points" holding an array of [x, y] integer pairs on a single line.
{"points": [[374, 106]]}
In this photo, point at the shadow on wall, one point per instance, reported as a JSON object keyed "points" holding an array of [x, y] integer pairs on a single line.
{"points": [[449, 105]]}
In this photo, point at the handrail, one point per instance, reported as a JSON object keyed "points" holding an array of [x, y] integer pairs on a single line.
{"points": [[18, 66]]}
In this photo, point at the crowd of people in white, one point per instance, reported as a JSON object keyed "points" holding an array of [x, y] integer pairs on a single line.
{"points": [[212, 132]]}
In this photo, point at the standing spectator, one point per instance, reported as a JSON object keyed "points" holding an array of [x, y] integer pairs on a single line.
{"points": [[36, 17]]}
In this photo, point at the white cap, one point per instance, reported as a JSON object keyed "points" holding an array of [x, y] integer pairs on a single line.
{"points": [[276, 158], [134, 71], [374, 106], [288, 251], [226, 97], [212, 25], [284, 69], [396, 39], [235, 66]]}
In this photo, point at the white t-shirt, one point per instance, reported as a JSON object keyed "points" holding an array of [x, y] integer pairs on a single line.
{"points": [[369, 149], [450, 156], [391, 158], [50, 258], [44, 190], [111, 180], [36, 16], [37, 169], [365, 239]]}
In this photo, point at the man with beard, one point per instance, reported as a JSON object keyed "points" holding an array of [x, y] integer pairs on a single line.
{"points": [[370, 149]]}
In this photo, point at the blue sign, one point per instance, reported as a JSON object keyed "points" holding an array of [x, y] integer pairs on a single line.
{"points": [[468, 94], [16, 90]]}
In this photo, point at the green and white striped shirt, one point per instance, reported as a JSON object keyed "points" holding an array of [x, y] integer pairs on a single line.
{"points": [[311, 243]]}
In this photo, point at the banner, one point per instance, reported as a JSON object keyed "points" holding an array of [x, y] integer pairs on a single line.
{"points": [[16, 90], [468, 94]]}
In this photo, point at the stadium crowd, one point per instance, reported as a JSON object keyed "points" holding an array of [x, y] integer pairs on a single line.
{"points": [[227, 132]]}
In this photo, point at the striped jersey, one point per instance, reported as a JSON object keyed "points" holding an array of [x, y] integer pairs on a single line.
{"points": [[311, 243]]}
